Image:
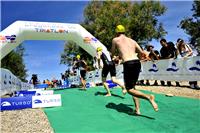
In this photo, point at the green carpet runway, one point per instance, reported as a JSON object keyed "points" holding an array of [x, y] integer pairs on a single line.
{"points": [[90, 112]]}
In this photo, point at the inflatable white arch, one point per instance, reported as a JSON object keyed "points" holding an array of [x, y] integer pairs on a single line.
{"points": [[19, 31]]}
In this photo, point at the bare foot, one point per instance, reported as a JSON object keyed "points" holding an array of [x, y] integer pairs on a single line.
{"points": [[108, 95], [83, 89], [137, 112], [155, 106], [124, 91]]}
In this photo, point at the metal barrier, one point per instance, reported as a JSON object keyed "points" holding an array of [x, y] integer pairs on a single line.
{"points": [[10, 83]]}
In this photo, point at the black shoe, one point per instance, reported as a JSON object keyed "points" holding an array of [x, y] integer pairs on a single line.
{"points": [[162, 83], [147, 83], [177, 84], [155, 84], [141, 82], [169, 83]]}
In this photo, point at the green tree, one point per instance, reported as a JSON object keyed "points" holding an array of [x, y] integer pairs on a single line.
{"points": [[191, 25], [101, 18], [71, 49], [139, 18], [14, 62]]}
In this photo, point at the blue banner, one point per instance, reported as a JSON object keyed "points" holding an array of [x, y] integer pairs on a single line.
{"points": [[41, 86], [25, 93], [15, 103], [111, 84]]}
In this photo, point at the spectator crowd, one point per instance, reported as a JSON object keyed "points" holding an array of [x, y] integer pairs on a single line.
{"points": [[168, 50]]}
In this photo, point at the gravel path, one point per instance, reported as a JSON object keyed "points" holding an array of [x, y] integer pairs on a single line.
{"points": [[35, 120], [25, 121]]}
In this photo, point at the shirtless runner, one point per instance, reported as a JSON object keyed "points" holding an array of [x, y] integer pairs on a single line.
{"points": [[127, 48]]}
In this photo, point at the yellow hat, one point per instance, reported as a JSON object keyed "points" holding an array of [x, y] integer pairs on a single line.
{"points": [[99, 49], [120, 29], [78, 56]]}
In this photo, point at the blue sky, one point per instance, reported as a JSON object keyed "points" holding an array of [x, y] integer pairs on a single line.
{"points": [[43, 57], [176, 11]]}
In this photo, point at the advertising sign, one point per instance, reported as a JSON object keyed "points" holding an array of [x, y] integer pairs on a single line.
{"points": [[46, 101], [15, 103], [34, 93], [25, 93]]}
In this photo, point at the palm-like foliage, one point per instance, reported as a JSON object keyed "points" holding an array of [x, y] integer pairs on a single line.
{"points": [[70, 50], [139, 19], [192, 26], [15, 63]]}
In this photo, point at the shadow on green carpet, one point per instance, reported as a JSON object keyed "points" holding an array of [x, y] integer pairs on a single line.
{"points": [[90, 112]]}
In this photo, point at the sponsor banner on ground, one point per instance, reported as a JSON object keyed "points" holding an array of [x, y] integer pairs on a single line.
{"points": [[45, 92], [34, 93], [15, 103], [46, 101], [41, 86], [25, 93], [40, 89]]}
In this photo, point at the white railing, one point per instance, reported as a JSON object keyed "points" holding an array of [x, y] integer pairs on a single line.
{"points": [[10, 83]]}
